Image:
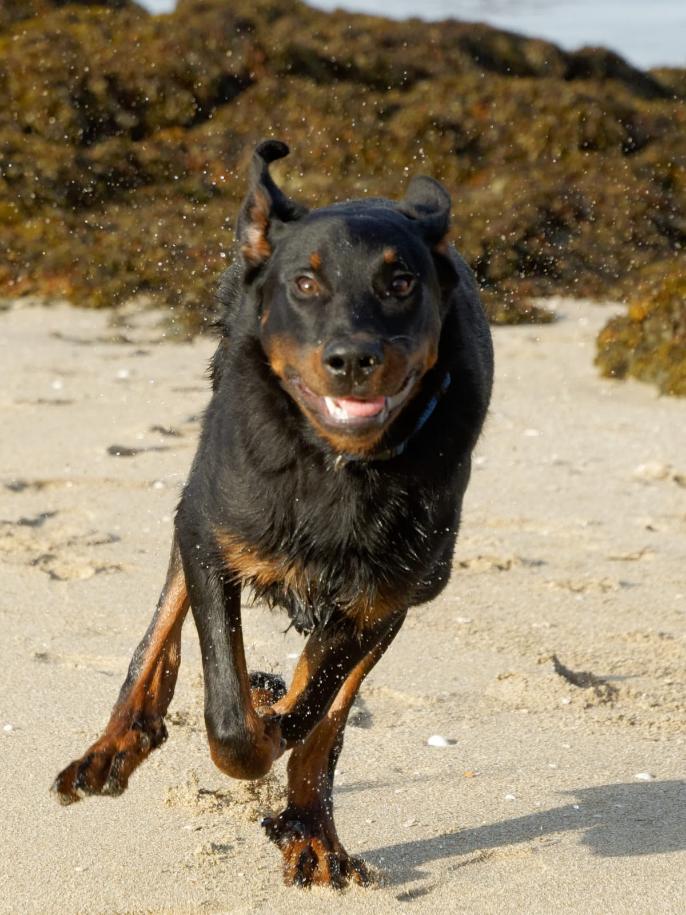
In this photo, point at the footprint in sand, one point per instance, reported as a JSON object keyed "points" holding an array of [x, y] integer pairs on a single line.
{"points": [[56, 551]]}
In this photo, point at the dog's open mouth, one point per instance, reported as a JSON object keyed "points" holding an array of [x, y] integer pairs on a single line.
{"points": [[354, 413]]}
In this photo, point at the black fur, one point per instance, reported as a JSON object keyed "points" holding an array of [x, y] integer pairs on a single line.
{"points": [[263, 473], [350, 385]]}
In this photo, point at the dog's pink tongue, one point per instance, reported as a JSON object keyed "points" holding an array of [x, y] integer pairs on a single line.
{"points": [[360, 407]]}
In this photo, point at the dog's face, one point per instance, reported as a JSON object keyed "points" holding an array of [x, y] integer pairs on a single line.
{"points": [[351, 301]]}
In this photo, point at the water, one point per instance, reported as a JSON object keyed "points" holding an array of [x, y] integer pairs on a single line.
{"points": [[649, 33]]}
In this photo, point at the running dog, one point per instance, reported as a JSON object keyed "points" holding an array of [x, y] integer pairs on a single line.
{"points": [[350, 385]]}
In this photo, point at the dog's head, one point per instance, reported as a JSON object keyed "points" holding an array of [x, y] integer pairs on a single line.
{"points": [[351, 299]]}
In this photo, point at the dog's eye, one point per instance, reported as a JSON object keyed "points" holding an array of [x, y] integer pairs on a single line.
{"points": [[306, 285], [401, 285]]}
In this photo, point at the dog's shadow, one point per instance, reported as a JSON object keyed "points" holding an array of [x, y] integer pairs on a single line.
{"points": [[640, 818]]}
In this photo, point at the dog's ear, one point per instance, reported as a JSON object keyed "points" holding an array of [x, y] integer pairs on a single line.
{"points": [[265, 206], [428, 203]]}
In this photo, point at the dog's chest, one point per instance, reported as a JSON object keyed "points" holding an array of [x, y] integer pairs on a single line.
{"points": [[310, 590], [358, 559]]}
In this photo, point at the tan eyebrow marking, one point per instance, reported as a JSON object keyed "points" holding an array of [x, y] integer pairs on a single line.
{"points": [[315, 260], [390, 255]]}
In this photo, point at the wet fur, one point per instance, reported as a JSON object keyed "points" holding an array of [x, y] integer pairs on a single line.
{"points": [[396, 522], [272, 503]]}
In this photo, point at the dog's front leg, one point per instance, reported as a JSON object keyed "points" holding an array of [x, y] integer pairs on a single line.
{"points": [[305, 831], [136, 725], [243, 743], [331, 653]]}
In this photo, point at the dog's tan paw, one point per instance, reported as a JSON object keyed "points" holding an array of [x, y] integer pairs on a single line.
{"points": [[107, 765], [311, 855]]}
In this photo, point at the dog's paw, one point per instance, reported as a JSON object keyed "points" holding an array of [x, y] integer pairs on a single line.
{"points": [[107, 765], [312, 857], [266, 689]]}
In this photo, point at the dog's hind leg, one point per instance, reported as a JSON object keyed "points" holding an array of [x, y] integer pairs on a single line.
{"points": [[305, 830], [136, 725]]}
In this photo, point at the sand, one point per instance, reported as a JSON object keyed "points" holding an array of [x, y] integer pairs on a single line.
{"points": [[548, 796]]}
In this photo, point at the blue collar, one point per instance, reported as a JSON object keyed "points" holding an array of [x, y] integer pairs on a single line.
{"points": [[397, 450]]}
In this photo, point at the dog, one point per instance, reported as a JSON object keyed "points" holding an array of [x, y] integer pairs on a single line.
{"points": [[350, 385]]}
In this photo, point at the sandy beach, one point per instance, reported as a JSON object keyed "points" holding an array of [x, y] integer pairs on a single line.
{"points": [[549, 796]]}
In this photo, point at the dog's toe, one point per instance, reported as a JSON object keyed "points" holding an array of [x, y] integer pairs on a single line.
{"points": [[314, 862], [353, 868]]}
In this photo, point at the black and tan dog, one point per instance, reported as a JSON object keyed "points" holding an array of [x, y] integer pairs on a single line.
{"points": [[350, 386]]}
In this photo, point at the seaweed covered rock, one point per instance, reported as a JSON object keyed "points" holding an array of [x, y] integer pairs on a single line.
{"points": [[13, 11], [124, 137], [649, 341]]}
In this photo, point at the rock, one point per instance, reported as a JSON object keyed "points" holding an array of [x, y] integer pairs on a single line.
{"points": [[128, 136]]}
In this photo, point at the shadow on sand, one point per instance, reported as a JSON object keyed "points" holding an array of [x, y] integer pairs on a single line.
{"points": [[639, 818]]}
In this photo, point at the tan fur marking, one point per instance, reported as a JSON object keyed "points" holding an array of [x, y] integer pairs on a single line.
{"points": [[257, 248], [156, 678], [307, 767], [390, 255], [346, 444], [315, 260], [313, 656], [284, 352], [249, 566], [370, 609], [252, 568], [135, 725], [304, 670]]}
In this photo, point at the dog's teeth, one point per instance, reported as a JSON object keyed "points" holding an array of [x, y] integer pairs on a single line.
{"points": [[349, 410], [334, 410]]}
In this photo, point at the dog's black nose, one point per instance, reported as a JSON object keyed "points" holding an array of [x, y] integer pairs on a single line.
{"points": [[354, 358]]}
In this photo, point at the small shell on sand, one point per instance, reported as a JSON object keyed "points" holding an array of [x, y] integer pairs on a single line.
{"points": [[437, 740], [652, 471]]}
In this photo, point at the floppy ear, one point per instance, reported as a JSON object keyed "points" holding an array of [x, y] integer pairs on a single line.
{"points": [[428, 203], [265, 205]]}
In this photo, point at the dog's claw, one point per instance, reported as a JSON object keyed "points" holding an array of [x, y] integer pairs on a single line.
{"points": [[357, 871], [63, 797]]}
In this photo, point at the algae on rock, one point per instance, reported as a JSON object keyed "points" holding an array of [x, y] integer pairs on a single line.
{"points": [[124, 140], [649, 341]]}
